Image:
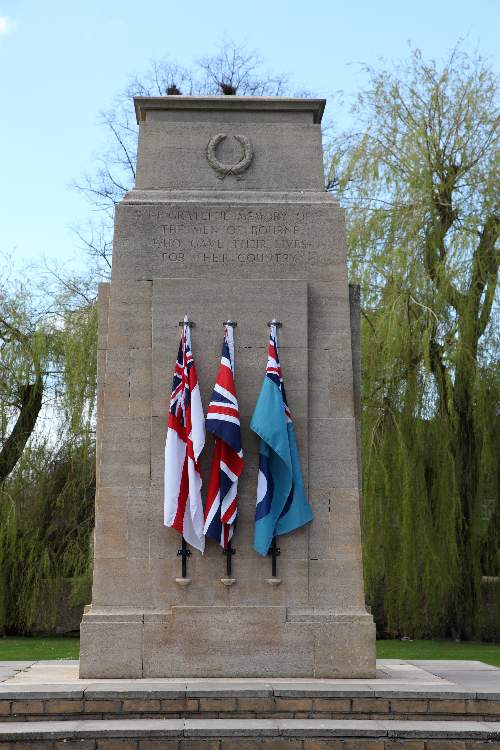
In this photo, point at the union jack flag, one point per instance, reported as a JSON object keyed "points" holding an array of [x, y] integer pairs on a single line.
{"points": [[223, 421], [183, 509]]}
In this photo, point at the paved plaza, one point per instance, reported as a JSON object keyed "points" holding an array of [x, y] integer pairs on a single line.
{"points": [[418, 678]]}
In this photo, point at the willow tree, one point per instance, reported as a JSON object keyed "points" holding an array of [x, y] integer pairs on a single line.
{"points": [[47, 456], [419, 179]]}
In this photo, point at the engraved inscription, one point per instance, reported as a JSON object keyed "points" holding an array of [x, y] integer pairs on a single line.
{"points": [[233, 236]]}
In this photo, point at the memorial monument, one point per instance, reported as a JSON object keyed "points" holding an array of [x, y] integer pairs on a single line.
{"points": [[228, 219]]}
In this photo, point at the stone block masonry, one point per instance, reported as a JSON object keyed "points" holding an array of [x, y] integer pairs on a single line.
{"points": [[228, 219]]}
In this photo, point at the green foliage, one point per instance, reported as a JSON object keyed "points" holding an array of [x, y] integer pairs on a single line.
{"points": [[418, 179], [47, 499], [45, 531]]}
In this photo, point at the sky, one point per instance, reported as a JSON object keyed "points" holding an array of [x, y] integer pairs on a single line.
{"points": [[62, 63]]}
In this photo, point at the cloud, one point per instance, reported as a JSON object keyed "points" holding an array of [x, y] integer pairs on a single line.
{"points": [[6, 25]]}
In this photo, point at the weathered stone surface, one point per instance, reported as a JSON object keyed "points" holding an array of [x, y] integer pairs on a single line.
{"points": [[27, 707], [203, 744], [111, 648], [63, 707], [158, 745], [268, 242], [102, 706], [483, 706], [322, 744]]}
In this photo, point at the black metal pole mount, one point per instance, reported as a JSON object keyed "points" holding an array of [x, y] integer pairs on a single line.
{"points": [[228, 553], [184, 553], [274, 551]]}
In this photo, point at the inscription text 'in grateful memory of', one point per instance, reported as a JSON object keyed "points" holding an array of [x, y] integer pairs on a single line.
{"points": [[233, 235]]}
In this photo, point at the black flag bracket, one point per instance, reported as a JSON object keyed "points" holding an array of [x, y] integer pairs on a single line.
{"points": [[183, 553], [228, 554], [274, 551]]}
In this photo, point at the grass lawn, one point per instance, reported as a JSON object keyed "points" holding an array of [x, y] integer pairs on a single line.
{"points": [[14, 648], [487, 652], [25, 649]]}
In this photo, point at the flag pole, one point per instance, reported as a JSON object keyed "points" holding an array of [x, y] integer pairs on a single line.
{"points": [[229, 551], [184, 552], [274, 550]]}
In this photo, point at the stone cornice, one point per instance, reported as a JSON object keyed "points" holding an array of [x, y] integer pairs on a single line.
{"points": [[143, 104]]}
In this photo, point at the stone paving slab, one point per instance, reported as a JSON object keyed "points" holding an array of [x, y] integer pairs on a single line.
{"points": [[447, 665], [135, 690], [216, 689], [486, 678], [9, 669], [24, 692], [99, 728], [321, 689], [231, 728], [247, 728], [5, 673], [59, 662], [444, 729], [331, 728]]}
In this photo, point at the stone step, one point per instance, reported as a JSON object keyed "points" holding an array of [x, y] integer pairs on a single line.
{"points": [[257, 734], [240, 701]]}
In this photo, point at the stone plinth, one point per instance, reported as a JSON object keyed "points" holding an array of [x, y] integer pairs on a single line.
{"points": [[237, 227]]}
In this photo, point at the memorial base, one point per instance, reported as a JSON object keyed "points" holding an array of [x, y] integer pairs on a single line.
{"points": [[220, 642]]}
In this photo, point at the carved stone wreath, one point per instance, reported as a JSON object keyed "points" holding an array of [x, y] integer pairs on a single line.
{"points": [[225, 169]]}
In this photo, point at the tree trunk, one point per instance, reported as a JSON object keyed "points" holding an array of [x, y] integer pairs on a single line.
{"points": [[467, 472], [31, 403]]}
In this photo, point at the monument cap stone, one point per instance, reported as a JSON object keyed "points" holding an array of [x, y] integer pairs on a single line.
{"points": [[228, 219], [278, 135]]}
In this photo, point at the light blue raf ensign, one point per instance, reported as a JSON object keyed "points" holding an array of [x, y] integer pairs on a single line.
{"points": [[282, 504]]}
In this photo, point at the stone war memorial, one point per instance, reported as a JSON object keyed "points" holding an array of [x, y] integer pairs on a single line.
{"points": [[228, 219]]}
